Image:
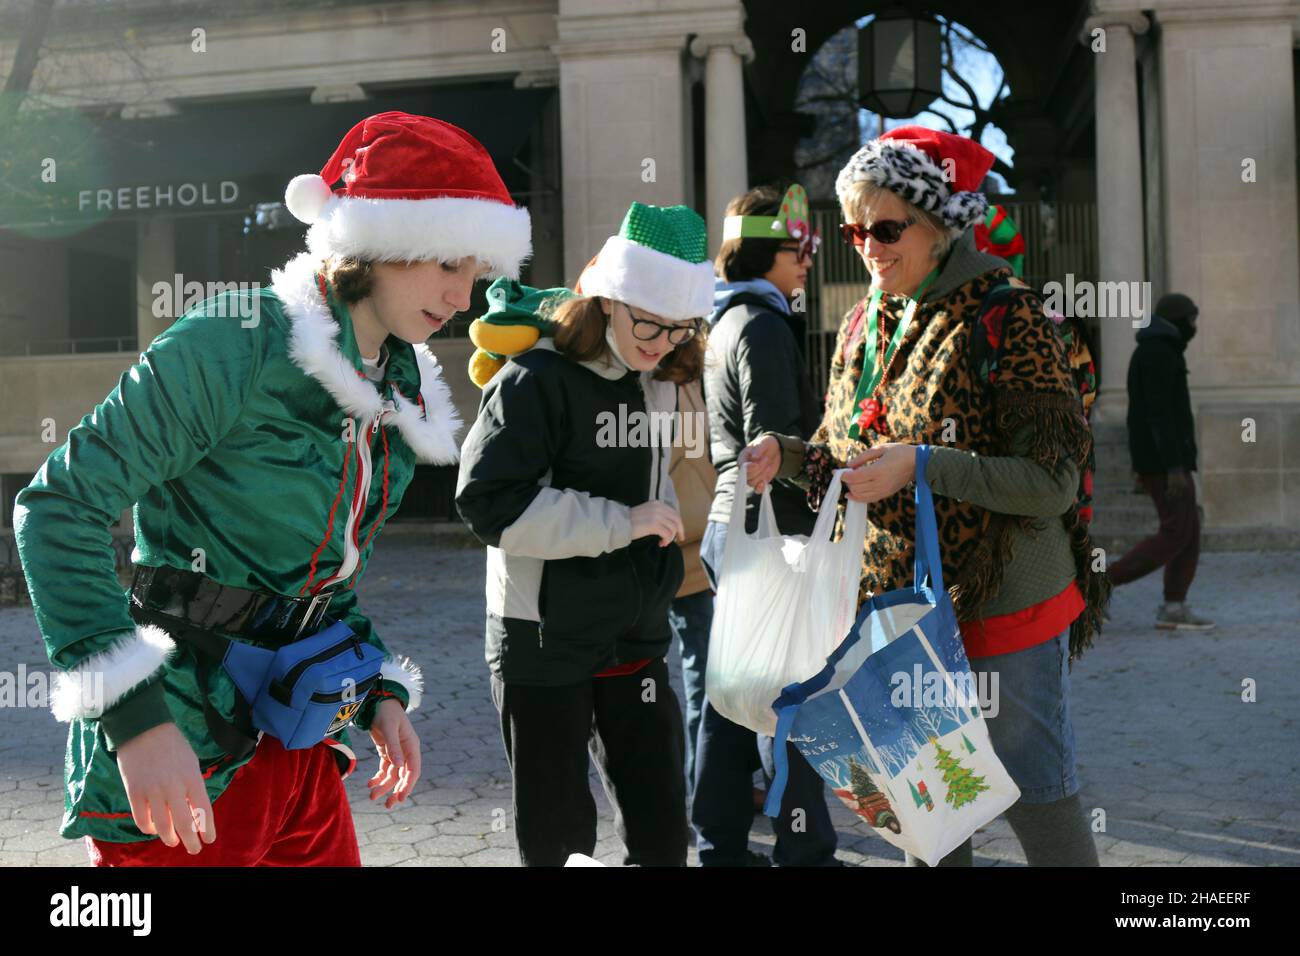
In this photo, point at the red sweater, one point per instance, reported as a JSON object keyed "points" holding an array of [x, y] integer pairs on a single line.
{"points": [[1022, 629], [622, 670]]}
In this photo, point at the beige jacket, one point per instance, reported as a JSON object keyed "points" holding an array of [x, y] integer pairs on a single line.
{"points": [[693, 478]]}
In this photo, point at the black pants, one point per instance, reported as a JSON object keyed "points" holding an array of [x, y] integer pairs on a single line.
{"points": [[633, 727], [726, 756], [723, 809]]}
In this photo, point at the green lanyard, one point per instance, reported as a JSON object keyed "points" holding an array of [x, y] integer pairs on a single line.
{"points": [[867, 385]]}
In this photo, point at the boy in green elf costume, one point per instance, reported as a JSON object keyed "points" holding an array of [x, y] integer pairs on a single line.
{"points": [[262, 454]]}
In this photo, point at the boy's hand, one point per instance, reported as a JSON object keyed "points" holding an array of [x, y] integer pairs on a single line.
{"points": [[399, 753], [166, 790]]}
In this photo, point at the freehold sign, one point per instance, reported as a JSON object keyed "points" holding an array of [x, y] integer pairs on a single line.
{"points": [[172, 196]]}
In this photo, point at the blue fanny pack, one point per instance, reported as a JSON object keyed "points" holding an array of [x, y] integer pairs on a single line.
{"points": [[308, 689]]}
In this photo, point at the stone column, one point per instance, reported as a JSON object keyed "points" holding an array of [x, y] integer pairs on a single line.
{"points": [[726, 167], [625, 109], [1230, 240], [622, 135], [1119, 194], [155, 244]]}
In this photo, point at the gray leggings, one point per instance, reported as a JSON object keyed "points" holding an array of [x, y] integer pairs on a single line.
{"points": [[1051, 834]]}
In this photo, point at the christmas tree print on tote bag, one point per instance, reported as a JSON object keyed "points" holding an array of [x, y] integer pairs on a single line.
{"points": [[963, 785], [864, 798]]}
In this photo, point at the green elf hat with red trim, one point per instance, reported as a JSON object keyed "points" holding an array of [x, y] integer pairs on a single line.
{"points": [[794, 221], [998, 235]]}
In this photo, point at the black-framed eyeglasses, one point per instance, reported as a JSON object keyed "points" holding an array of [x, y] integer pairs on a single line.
{"points": [[801, 252], [647, 331], [888, 231], [809, 240]]}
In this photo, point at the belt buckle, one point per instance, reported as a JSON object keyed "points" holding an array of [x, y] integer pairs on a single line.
{"points": [[319, 601], [141, 580]]}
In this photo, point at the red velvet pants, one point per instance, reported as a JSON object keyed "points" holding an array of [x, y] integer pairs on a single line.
{"points": [[283, 808]]}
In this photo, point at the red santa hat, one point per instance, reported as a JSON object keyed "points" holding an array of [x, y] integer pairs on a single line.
{"points": [[414, 188], [933, 170]]}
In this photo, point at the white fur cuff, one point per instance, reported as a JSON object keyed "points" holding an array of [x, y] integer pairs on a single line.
{"points": [[102, 679], [404, 671]]}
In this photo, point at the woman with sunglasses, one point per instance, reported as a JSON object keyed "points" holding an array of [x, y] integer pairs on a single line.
{"points": [[565, 477], [949, 350]]}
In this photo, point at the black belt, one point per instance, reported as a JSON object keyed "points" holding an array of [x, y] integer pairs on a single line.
{"points": [[257, 616], [197, 611]]}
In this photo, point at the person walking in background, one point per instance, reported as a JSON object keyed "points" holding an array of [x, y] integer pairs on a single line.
{"points": [[755, 382], [694, 481], [1162, 443]]}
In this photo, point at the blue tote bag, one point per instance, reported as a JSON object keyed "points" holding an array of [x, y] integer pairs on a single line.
{"points": [[893, 722]]}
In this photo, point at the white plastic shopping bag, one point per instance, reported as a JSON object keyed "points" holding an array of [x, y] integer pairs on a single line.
{"points": [[784, 603]]}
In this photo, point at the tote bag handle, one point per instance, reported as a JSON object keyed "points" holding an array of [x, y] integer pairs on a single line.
{"points": [[928, 564], [780, 759]]}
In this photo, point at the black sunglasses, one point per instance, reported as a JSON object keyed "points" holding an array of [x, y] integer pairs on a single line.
{"points": [[648, 331], [888, 231]]}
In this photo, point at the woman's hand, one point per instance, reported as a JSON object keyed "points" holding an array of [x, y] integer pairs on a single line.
{"points": [[762, 457], [399, 753], [657, 518], [165, 789], [880, 471]]}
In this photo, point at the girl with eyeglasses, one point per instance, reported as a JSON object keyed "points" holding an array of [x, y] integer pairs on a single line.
{"points": [[565, 477]]}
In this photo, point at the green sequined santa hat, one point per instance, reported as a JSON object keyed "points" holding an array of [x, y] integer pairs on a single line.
{"points": [[657, 263]]}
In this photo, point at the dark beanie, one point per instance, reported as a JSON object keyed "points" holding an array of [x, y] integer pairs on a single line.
{"points": [[1174, 306]]}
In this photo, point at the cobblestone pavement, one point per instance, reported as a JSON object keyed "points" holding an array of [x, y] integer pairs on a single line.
{"points": [[1184, 770]]}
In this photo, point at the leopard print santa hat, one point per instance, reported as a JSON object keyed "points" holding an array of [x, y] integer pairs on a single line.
{"points": [[933, 170]]}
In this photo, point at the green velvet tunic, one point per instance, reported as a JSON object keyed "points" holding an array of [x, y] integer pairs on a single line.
{"points": [[253, 450]]}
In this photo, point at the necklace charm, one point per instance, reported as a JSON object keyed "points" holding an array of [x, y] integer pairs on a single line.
{"points": [[873, 416]]}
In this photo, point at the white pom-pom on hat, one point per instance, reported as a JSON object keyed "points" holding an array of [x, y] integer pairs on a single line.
{"points": [[306, 196], [962, 210]]}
